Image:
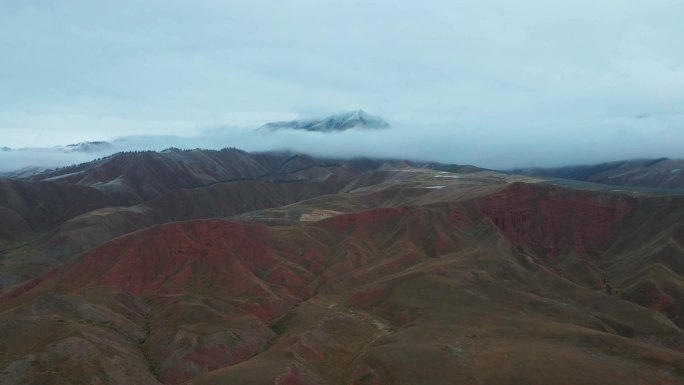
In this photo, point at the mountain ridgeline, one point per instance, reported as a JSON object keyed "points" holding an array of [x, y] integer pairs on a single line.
{"points": [[661, 173]]}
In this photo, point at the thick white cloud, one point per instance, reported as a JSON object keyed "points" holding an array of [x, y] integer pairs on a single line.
{"points": [[496, 83]]}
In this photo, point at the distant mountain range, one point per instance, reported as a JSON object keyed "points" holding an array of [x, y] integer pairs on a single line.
{"points": [[358, 119], [94, 146], [654, 173]]}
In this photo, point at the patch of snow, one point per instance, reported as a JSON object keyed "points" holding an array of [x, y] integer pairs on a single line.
{"points": [[645, 175]]}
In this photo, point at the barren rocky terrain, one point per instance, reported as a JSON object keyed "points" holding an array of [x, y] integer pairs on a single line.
{"points": [[227, 267]]}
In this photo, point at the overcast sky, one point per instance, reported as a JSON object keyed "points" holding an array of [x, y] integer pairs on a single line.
{"points": [[494, 83]]}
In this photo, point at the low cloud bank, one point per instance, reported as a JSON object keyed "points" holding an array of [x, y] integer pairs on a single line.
{"points": [[504, 148]]}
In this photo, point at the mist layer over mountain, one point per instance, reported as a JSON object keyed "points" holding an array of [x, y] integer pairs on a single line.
{"points": [[444, 143]]}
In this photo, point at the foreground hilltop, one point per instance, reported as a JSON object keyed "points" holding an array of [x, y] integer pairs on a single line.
{"points": [[360, 272]]}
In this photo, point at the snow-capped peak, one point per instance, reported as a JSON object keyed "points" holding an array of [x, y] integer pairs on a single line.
{"points": [[358, 119]]}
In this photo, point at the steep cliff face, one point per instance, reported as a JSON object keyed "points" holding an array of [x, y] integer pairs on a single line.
{"points": [[645, 264], [549, 220]]}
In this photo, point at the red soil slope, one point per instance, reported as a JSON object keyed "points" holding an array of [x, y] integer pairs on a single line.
{"points": [[452, 292], [549, 220]]}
